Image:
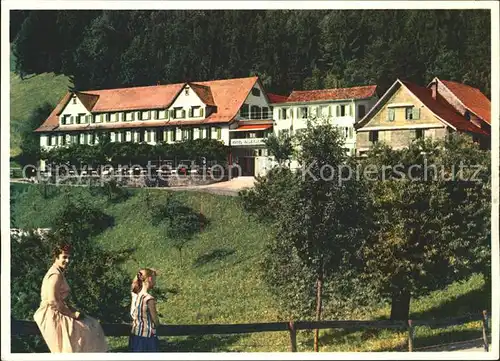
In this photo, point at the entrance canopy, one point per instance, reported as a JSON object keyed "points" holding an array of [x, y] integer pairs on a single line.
{"points": [[251, 127]]}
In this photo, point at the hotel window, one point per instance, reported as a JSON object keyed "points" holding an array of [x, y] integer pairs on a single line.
{"points": [[179, 113], [65, 119], [391, 114], [361, 111], [282, 113], [156, 114], [341, 110], [303, 111], [140, 136], [129, 116], [63, 139], [208, 133], [419, 133], [373, 136], [409, 113], [107, 117], [265, 113], [145, 115], [91, 138], [255, 92], [244, 111], [255, 112], [159, 135], [195, 112]]}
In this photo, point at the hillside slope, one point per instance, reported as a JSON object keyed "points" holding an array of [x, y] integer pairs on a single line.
{"points": [[26, 95], [218, 278]]}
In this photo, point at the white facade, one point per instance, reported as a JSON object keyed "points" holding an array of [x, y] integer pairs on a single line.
{"points": [[291, 117], [255, 106]]}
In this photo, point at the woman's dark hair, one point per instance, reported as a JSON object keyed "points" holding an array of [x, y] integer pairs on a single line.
{"points": [[60, 248]]}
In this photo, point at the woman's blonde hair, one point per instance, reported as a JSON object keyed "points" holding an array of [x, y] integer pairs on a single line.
{"points": [[140, 277]]}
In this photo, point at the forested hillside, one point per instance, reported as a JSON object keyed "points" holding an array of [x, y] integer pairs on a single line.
{"points": [[289, 49]]}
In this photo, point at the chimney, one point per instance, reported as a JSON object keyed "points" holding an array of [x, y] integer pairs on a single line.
{"points": [[434, 89]]}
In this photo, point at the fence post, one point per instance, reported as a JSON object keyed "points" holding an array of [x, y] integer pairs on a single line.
{"points": [[410, 336], [293, 336], [485, 331]]}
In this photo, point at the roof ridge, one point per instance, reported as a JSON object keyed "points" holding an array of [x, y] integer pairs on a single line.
{"points": [[329, 89]]}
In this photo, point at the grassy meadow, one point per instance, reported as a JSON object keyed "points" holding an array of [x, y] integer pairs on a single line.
{"points": [[29, 93], [218, 278]]}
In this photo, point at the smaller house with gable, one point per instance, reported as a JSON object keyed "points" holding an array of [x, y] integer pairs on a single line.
{"points": [[408, 111]]}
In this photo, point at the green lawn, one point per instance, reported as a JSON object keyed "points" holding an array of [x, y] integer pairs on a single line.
{"points": [[26, 95], [218, 279]]}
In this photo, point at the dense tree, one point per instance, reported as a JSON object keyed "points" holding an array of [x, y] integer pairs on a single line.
{"points": [[319, 219], [280, 147], [432, 219], [30, 141], [290, 49]]}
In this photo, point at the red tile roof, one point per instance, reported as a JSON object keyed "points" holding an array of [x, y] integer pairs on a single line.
{"points": [[203, 93], [88, 100], [443, 109], [275, 98], [471, 98], [53, 121], [358, 92], [228, 95]]}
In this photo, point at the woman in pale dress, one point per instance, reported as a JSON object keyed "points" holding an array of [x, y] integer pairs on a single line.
{"points": [[63, 328]]}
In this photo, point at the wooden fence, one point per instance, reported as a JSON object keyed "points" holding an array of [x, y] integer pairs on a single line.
{"points": [[20, 328]]}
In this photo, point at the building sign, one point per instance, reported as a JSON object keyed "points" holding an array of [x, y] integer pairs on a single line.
{"points": [[247, 141]]}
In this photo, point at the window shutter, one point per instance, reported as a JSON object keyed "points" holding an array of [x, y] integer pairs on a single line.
{"points": [[329, 111], [148, 136], [350, 109], [338, 110], [202, 112], [318, 112], [183, 113], [390, 114], [191, 112], [219, 133], [416, 113]]}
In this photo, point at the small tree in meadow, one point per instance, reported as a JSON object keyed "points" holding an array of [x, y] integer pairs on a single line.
{"points": [[318, 221], [432, 220]]}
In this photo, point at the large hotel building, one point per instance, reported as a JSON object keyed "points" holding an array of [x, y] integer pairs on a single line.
{"points": [[237, 112]]}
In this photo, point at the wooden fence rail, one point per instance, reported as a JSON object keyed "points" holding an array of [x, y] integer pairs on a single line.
{"points": [[21, 327]]}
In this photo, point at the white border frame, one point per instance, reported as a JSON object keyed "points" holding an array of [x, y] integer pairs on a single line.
{"points": [[172, 5]]}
